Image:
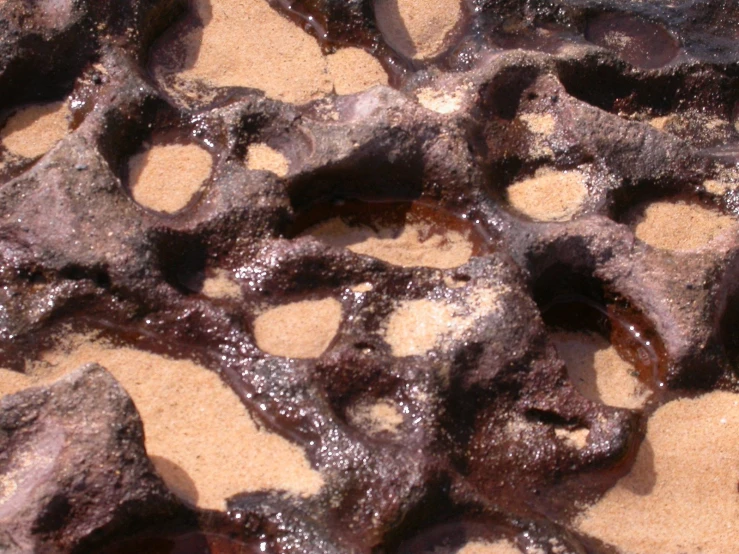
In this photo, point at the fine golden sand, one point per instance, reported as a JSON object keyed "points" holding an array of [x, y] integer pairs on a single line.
{"points": [[199, 435]]}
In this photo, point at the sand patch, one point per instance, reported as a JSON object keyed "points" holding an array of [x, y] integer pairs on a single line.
{"points": [[481, 547], [33, 131], [577, 438], [248, 44], [598, 372], [418, 326], [200, 436], [540, 124], [440, 101], [550, 195], [353, 70], [681, 495], [221, 285], [165, 178], [417, 28], [261, 157], [680, 226], [298, 330], [660, 123], [383, 416], [413, 245]]}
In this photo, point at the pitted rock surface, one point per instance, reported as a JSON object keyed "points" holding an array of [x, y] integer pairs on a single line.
{"points": [[639, 98]]}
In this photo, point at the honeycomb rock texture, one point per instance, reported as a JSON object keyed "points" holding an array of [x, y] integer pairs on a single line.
{"points": [[639, 98]]}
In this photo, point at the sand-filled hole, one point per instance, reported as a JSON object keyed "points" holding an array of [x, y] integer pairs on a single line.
{"points": [[231, 43], [418, 28], [416, 327], [383, 416], [220, 284], [166, 177], [680, 226], [403, 235], [34, 130], [299, 329], [598, 372], [261, 157], [681, 494], [549, 195], [199, 435]]}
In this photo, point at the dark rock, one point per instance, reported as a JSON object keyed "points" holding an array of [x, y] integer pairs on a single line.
{"points": [[73, 469]]}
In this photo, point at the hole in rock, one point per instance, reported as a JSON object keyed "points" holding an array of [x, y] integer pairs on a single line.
{"points": [[681, 492], [219, 283], [403, 234], [381, 416], [222, 44], [680, 225], [200, 436], [550, 195], [418, 28], [182, 261], [302, 329], [166, 176], [612, 353], [262, 157], [31, 131], [416, 327], [636, 41]]}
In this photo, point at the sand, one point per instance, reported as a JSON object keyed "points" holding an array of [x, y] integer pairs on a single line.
{"points": [[550, 195], [381, 417], [298, 330], [577, 438], [540, 124], [411, 246], [261, 157], [679, 226], [199, 435], [33, 131], [416, 327], [598, 372], [681, 495], [440, 101], [481, 547], [166, 177], [221, 285], [418, 28], [245, 43]]}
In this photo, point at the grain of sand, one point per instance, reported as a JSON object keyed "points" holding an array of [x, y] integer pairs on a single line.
{"points": [[199, 435]]}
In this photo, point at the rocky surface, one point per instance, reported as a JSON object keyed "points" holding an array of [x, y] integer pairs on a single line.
{"points": [[639, 97], [74, 468]]}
